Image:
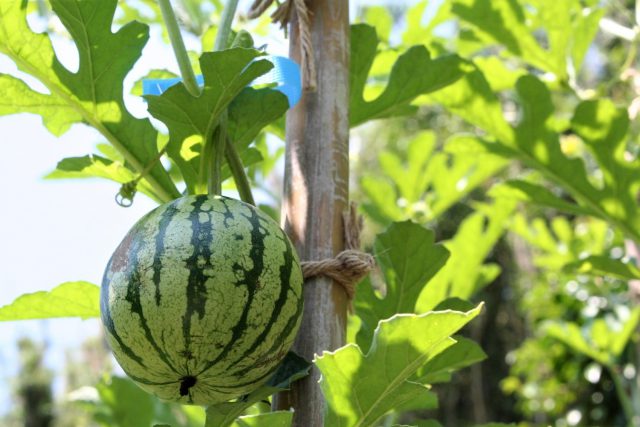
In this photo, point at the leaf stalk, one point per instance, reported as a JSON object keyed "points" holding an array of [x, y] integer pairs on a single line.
{"points": [[179, 49]]}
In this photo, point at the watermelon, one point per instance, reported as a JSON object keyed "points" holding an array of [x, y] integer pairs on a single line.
{"points": [[202, 299]]}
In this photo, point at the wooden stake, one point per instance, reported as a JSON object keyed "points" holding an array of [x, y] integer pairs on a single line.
{"points": [[316, 194]]}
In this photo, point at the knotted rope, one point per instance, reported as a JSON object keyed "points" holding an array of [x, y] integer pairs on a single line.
{"points": [[283, 15], [349, 266]]}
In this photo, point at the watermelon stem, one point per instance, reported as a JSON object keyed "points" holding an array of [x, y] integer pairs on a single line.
{"points": [[222, 146], [217, 156], [239, 175], [177, 44], [224, 29]]}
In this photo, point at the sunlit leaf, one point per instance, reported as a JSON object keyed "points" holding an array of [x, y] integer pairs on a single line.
{"points": [[409, 258], [404, 84], [423, 182], [268, 419], [362, 388], [601, 342], [92, 166], [465, 272], [463, 353], [70, 299], [93, 94], [192, 120], [603, 265]]}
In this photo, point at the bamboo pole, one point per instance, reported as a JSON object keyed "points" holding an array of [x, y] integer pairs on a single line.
{"points": [[316, 194]]}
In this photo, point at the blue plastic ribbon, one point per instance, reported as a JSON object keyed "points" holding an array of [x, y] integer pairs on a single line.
{"points": [[285, 74]]}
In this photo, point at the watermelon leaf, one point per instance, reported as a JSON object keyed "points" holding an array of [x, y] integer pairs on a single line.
{"points": [[603, 341], [268, 419], [404, 83], [473, 99], [427, 179], [70, 299], [91, 166], [463, 353], [409, 257], [126, 404], [361, 388], [600, 125], [192, 120], [465, 273], [292, 368], [599, 265], [569, 29], [92, 95]]}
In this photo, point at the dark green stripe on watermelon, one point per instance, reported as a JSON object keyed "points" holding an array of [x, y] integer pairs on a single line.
{"points": [[285, 274], [165, 219], [251, 278], [196, 289], [118, 260]]}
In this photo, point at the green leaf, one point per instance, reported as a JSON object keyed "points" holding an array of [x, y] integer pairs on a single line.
{"points": [[409, 258], [600, 265], [503, 22], [292, 368], [192, 120], [605, 339], [269, 419], [472, 98], [93, 94], [498, 74], [57, 115], [126, 404], [465, 273], [360, 389], [251, 111], [536, 194], [70, 299], [463, 353], [603, 127], [426, 180], [92, 166], [404, 83], [455, 304], [380, 18]]}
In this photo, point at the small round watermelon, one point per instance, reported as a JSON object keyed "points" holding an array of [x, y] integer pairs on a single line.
{"points": [[202, 299]]}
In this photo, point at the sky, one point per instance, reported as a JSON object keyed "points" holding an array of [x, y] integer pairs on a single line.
{"points": [[53, 231]]}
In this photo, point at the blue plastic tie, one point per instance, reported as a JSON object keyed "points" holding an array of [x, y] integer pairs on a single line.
{"points": [[285, 74]]}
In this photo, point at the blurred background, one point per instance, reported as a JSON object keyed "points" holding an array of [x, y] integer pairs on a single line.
{"points": [[60, 373]]}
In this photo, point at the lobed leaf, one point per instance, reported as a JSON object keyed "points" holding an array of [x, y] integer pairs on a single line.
{"points": [[404, 83], [70, 299], [361, 388], [465, 272], [409, 257], [191, 120], [92, 95]]}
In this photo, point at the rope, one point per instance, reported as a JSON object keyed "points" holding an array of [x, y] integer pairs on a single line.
{"points": [[349, 266], [283, 15]]}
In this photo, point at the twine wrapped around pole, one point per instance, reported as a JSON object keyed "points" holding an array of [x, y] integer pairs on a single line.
{"points": [[283, 15], [350, 266]]}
